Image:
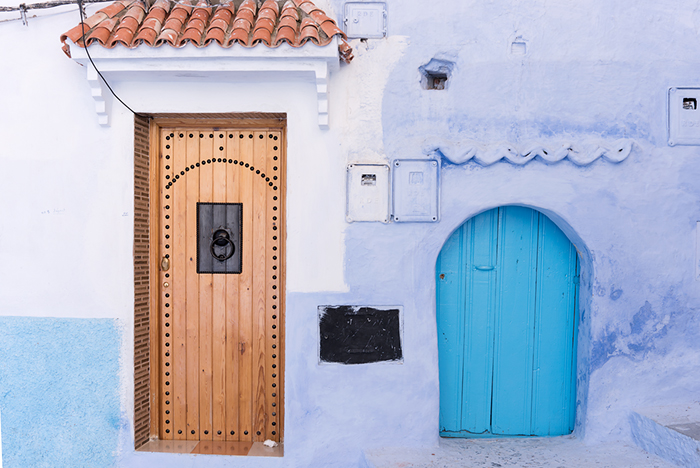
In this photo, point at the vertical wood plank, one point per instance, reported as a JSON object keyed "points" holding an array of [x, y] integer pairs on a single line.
{"points": [[554, 331], [178, 349], [192, 286], [279, 352], [218, 334], [260, 256], [273, 222], [166, 146], [156, 276], [450, 283], [232, 301], [512, 381], [480, 262], [245, 401], [206, 171]]}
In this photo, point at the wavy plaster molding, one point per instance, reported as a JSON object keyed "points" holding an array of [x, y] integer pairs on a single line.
{"points": [[579, 154]]}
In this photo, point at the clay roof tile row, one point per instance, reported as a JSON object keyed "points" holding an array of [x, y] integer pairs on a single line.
{"points": [[177, 23]]}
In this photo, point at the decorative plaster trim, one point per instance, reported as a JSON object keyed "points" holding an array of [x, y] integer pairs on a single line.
{"points": [[100, 94], [460, 153], [311, 62]]}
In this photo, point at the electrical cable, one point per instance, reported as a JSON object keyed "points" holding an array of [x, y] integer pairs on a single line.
{"points": [[82, 25], [51, 4]]}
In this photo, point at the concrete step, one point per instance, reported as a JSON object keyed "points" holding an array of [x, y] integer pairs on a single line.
{"points": [[530, 452], [671, 432]]}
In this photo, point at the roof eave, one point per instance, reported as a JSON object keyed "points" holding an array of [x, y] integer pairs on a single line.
{"points": [[143, 63]]}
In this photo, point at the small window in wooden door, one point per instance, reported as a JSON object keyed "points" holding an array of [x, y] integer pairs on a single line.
{"points": [[507, 294], [220, 333]]}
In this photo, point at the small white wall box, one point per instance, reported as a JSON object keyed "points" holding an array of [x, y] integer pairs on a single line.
{"points": [[416, 190], [365, 20], [368, 193], [683, 116]]}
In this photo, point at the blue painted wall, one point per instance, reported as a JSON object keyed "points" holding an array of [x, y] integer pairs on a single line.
{"points": [[59, 392]]}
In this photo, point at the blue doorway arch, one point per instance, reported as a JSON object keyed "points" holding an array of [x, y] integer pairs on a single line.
{"points": [[507, 316]]}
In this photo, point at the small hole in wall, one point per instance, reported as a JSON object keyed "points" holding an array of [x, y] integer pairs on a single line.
{"points": [[518, 48], [690, 104], [434, 81], [436, 73]]}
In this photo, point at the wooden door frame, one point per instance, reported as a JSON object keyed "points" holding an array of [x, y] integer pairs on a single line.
{"points": [[276, 122]]}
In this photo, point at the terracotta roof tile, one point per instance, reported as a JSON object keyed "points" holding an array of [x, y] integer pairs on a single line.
{"points": [[132, 23]]}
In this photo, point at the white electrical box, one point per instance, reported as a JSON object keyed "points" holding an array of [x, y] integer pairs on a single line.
{"points": [[368, 193], [416, 190], [365, 20], [683, 116]]}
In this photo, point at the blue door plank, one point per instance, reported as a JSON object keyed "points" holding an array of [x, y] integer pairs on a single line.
{"points": [[554, 327], [574, 346], [450, 318], [481, 254], [512, 375]]}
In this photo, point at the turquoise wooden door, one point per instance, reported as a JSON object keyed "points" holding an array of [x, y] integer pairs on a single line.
{"points": [[507, 294]]}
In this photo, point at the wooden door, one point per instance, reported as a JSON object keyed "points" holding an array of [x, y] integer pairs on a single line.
{"points": [[507, 287], [220, 334]]}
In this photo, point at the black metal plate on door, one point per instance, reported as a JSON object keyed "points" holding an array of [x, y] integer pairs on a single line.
{"points": [[359, 335], [219, 237]]}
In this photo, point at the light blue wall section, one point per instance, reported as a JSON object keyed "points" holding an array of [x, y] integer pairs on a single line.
{"points": [[59, 392]]}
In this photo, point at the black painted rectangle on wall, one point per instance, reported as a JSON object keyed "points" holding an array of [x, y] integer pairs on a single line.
{"points": [[359, 334]]}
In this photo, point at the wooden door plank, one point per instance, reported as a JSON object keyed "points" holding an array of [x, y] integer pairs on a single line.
{"points": [[232, 301], [512, 381], [156, 277], [272, 275], [260, 256], [279, 352], [554, 328], [206, 153], [192, 286], [574, 345], [218, 333], [178, 228], [245, 292], [480, 263], [450, 319], [166, 172]]}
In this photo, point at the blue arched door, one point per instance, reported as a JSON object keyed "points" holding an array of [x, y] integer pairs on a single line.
{"points": [[507, 294]]}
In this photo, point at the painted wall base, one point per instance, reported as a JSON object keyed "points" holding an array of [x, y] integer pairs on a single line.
{"points": [[59, 392]]}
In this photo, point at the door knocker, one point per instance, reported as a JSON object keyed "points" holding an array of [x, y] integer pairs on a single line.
{"points": [[222, 242]]}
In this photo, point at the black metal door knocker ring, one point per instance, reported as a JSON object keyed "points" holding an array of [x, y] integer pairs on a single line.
{"points": [[221, 238]]}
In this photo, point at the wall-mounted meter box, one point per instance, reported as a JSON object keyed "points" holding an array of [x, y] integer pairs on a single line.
{"points": [[365, 20], [416, 190], [368, 193], [683, 116]]}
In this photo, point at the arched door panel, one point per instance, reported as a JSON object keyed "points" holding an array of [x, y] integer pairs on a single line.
{"points": [[506, 295]]}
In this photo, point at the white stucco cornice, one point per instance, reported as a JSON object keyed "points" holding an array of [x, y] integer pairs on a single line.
{"points": [[284, 63]]}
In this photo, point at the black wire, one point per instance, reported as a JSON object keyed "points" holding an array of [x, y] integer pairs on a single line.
{"points": [[43, 5], [82, 24]]}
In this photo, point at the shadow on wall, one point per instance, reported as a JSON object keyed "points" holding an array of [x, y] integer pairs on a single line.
{"points": [[59, 391]]}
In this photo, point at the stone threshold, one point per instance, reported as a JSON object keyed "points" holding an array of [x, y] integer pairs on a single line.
{"points": [[207, 447]]}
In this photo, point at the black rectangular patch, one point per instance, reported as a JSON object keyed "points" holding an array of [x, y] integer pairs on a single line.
{"points": [[359, 335], [219, 237]]}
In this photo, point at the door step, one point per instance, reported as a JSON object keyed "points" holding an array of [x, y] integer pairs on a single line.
{"points": [[671, 432]]}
